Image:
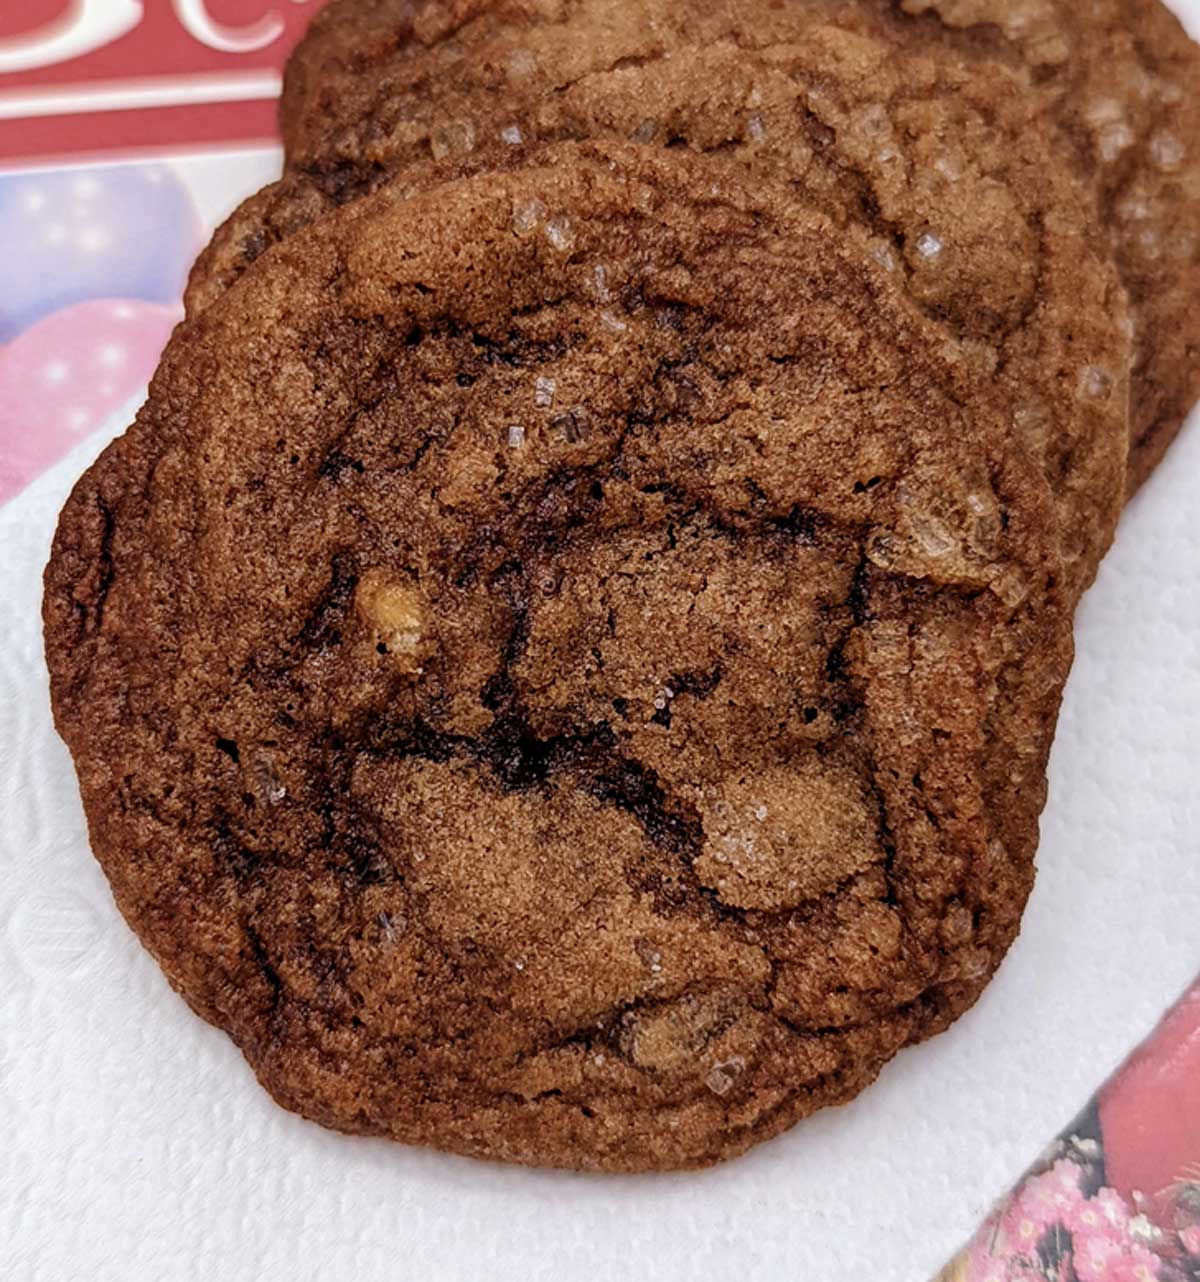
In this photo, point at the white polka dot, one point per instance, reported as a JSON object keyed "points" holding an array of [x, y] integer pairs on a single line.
{"points": [[93, 240], [34, 201], [85, 188], [78, 419], [56, 233], [112, 356], [55, 371]]}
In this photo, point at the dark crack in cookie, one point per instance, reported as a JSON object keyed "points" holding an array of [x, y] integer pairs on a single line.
{"points": [[969, 205], [562, 666]]}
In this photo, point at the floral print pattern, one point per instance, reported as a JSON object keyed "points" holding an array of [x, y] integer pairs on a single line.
{"points": [[1075, 1217]]}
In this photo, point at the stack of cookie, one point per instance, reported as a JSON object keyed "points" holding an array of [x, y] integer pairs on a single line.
{"points": [[563, 665]]}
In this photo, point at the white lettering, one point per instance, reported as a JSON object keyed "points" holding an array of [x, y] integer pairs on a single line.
{"points": [[87, 25], [216, 35]]}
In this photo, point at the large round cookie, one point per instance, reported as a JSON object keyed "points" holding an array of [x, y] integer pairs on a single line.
{"points": [[562, 666], [970, 205]]}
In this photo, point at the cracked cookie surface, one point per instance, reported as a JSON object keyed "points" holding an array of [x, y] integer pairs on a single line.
{"points": [[970, 204], [1116, 79], [563, 664]]}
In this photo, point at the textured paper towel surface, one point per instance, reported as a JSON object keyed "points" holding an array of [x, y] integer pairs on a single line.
{"points": [[136, 1144]]}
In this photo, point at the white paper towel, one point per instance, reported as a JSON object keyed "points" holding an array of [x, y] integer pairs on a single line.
{"points": [[136, 1144]]}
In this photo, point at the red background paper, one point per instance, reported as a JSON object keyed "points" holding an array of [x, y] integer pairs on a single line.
{"points": [[159, 46]]}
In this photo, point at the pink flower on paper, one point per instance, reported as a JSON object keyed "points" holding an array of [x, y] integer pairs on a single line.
{"points": [[1098, 1239], [1088, 1219], [1098, 1257], [1106, 1257], [1023, 1225], [1105, 1215], [1142, 1265], [1049, 1198], [1113, 1207]]}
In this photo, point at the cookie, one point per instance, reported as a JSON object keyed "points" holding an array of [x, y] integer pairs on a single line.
{"points": [[366, 76], [1117, 79], [562, 666], [1123, 80], [971, 206]]}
